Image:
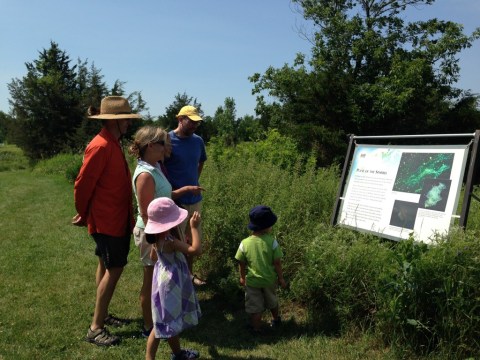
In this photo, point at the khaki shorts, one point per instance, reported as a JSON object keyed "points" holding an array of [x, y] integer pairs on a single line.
{"points": [[259, 299], [144, 247], [184, 227]]}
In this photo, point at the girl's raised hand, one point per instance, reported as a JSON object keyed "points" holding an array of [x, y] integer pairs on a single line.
{"points": [[195, 220]]}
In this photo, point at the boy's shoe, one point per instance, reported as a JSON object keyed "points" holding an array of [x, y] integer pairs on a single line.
{"points": [[101, 337], [197, 281], [114, 321], [145, 332], [275, 323], [254, 331], [186, 354]]}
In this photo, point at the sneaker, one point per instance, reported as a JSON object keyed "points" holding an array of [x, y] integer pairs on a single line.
{"points": [[101, 337], [254, 331], [114, 321], [145, 332], [197, 281], [186, 354], [275, 323]]}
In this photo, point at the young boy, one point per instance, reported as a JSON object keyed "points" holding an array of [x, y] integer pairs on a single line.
{"points": [[260, 266]]}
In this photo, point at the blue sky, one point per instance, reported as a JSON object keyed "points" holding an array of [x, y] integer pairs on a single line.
{"points": [[207, 49]]}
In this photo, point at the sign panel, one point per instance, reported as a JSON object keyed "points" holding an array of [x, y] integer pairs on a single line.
{"points": [[395, 191]]}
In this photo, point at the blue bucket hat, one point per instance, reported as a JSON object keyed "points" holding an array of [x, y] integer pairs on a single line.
{"points": [[261, 217]]}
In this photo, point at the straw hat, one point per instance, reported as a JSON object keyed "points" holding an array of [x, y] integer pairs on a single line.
{"points": [[111, 108]]}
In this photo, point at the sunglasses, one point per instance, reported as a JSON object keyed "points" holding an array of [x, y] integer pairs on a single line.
{"points": [[160, 142]]}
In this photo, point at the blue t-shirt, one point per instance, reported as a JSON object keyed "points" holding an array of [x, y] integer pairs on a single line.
{"points": [[182, 165]]}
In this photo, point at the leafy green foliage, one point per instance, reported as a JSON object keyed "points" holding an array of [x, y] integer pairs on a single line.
{"points": [[169, 119], [420, 299], [49, 104], [370, 73], [431, 302], [46, 104], [62, 164], [261, 173], [341, 277], [272, 148]]}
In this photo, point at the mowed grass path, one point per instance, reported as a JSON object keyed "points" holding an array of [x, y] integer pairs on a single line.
{"points": [[47, 293]]}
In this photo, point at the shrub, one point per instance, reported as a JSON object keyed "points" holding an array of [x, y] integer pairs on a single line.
{"points": [[67, 165], [341, 278], [234, 184], [432, 301], [12, 158]]}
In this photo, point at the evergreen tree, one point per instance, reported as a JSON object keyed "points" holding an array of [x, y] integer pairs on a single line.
{"points": [[46, 104], [50, 103]]}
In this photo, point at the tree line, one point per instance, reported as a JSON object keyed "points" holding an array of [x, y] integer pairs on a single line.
{"points": [[369, 73]]}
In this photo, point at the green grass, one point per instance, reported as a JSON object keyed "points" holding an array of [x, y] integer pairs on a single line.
{"points": [[47, 293]]}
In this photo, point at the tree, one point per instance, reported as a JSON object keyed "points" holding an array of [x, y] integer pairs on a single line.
{"points": [[92, 89], [169, 119], [224, 122], [370, 73], [249, 129], [46, 104], [4, 123], [49, 104]]}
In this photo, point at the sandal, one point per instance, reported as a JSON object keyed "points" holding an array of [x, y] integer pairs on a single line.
{"points": [[197, 281], [115, 321], [101, 337]]}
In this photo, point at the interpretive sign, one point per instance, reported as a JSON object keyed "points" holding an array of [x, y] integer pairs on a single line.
{"points": [[396, 191]]}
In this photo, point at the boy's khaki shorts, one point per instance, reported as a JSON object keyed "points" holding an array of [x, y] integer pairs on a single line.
{"points": [[259, 299]]}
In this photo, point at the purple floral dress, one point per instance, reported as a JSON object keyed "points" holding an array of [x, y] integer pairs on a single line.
{"points": [[175, 305]]}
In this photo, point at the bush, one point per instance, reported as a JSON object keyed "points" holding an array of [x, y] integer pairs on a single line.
{"points": [[341, 277], [12, 158], [301, 198], [432, 301], [419, 298], [67, 165]]}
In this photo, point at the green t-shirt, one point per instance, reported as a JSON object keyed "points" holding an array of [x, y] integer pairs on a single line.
{"points": [[258, 252]]}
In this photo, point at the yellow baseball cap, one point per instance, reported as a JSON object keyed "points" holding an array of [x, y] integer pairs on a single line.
{"points": [[191, 112]]}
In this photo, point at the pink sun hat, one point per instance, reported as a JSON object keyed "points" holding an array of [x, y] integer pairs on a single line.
{"points": [[163, 214]]}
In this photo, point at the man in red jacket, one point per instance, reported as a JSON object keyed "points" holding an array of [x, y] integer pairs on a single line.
{"points": [[103, 199]]}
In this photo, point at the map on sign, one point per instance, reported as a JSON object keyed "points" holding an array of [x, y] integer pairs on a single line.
{"points": [[398, 191]]}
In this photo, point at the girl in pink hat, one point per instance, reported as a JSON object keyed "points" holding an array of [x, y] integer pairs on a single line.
{"points": [[174, 302]]}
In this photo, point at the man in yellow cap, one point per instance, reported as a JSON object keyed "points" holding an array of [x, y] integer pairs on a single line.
{"points": [[185, 165]]}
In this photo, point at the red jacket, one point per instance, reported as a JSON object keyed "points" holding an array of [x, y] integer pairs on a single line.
{"points": [[103, 188]]}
